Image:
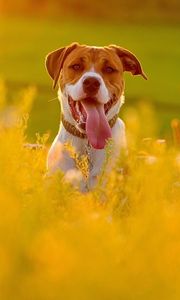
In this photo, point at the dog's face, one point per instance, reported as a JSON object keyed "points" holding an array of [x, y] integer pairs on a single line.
{"points": [[91, 81]]}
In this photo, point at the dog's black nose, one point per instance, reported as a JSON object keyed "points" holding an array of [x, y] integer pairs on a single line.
{"points": [[91, 85]]}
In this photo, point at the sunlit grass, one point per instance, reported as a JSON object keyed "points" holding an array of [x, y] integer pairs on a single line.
{"points": [[120, 241], [26, 42]]}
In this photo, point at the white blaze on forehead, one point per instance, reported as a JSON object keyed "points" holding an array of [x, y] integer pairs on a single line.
{"points": [[76, 90]]}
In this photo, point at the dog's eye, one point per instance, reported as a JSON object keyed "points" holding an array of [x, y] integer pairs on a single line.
{"points": [[109, 69], [76, 67]]}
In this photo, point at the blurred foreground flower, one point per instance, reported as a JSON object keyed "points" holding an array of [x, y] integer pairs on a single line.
{"points": [[175, 124], [11, 114]]}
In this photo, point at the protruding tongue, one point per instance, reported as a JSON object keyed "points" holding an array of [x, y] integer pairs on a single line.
{"points": [[97, 127]]}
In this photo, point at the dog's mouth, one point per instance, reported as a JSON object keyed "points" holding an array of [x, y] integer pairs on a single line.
{"points": [[91, 117], [79, 113]]}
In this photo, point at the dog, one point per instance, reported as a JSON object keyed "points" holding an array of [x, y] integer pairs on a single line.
{"points": [[91, 93]]}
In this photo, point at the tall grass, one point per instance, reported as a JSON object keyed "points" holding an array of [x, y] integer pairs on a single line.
{"points": [[116, 242]]}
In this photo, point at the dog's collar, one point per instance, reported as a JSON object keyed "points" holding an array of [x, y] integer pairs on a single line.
{"points": [[74, 131]]}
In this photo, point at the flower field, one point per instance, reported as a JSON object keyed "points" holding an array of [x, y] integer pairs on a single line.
{"points": [[119, 241]]}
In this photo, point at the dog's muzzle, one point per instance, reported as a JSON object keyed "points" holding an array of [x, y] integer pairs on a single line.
{"points": [[90, 116]]}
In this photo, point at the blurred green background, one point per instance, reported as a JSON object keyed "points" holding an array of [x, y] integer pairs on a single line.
{"points": [[151, 29]]}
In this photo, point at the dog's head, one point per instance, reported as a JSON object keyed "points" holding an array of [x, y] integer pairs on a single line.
{"points": [[91, 82]]}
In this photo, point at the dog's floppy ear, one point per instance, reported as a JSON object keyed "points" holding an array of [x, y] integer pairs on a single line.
{"points": [[54, 61], [129, 61]]}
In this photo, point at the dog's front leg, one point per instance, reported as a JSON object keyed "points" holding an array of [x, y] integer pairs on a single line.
{"points": [[97, 158], [101, 164], [60, 159]]}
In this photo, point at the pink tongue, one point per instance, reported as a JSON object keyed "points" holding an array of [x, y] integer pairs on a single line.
{"points": [[97, 126]]}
